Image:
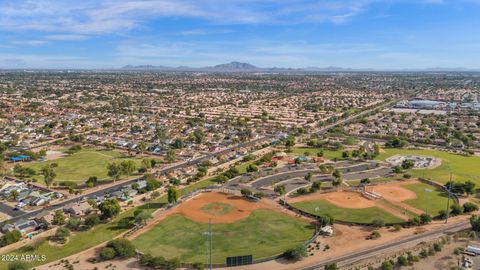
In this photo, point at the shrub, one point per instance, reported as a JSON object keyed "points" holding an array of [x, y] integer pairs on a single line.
{"points": [[469, 207], [296, 253], [378, 223], [456, 210], [123, 247], [18, 266], [437, 247], [402, 261], [387, 265], [107, 253], [92, 220]]}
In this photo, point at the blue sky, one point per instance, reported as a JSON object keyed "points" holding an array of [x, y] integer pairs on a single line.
{"points": [[383, 34]]}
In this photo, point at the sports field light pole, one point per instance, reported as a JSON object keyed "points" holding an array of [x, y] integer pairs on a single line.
{"points": [[448, 201], [210, 233]]}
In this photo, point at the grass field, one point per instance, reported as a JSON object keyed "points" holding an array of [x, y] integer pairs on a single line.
{"points": [[462, 167], [84, 240], [359, 215], [328, 154], [429, 199], [81, 165], [264, 233]]}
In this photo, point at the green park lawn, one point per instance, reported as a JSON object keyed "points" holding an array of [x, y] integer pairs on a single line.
{"points": [[79, 166], [429, 199], [328, 154], [462, 167], [264, 233], [363, 216]]}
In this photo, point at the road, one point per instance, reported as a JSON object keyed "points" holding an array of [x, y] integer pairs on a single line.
{"points": [[382, 249]]}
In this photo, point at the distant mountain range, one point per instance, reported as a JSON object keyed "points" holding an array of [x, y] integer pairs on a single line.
{"points": [[236, 67], [249, 68]]}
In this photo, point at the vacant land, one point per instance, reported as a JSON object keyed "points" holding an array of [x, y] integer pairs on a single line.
{"points": [[462, 167], [263, 233], [81, 165]]}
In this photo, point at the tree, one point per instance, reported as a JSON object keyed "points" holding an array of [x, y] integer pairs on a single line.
{"points": [[161, 133], [251, 168], [469, 207], [171, 156], [290, 141], [114, 171], [402, 261], [475, 222], [61, 234], [123, 248], [246, 192], [397, 169], [469, 187], [13, 195], [74, 224], [92, 221], [128, 167], [325, 219], [141, 217], [308, 177], [10, 238], [18, 265], [425, 218], [365, 181], [172, 195], [337, 174], [48, 174], [109, 208], [378, 223], [221, 179], [387, 265], [142, 146], [152, 184], [280, 189], [58, 218], [107, 253], [92, 181], [316, 186], [456, 209], [407, 164], [296, 253], [332, 266]]}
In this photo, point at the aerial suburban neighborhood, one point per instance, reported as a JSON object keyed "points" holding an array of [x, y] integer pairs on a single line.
{"points": [[114, 167], [239, 135]]}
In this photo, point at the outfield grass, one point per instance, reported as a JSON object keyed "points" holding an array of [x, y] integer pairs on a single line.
{"points": [[328, 154], [81, 165], [362, 215], [84, 240], [429, 199], [264, 233], [462, 167]]}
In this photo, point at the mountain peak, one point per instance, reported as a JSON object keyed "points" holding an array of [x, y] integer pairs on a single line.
{"points": [[234, 66]]}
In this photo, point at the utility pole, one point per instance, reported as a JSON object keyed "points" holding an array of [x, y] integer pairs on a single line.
{"points": [[448, 201], [210, 233]]}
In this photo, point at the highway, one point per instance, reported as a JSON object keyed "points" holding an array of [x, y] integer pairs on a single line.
{"points": [[391, 246]]}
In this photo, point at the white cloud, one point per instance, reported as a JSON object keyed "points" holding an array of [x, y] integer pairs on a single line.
{"points": [[67, 37], [112, 16]]}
